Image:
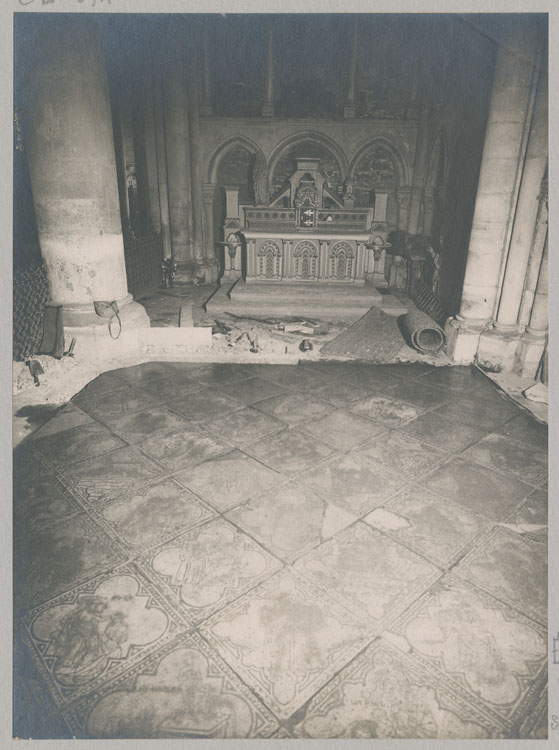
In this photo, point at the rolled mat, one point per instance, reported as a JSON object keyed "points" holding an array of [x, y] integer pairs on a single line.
{"points": [[425, 334]]}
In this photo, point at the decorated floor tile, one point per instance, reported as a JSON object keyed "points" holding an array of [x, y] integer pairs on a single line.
{"points": [[145, 373], [204, 405], [336, 392], [228, 480], [388, 411], [144, 424], [456, 378], [531, 511], [215, 375], [291, 376], [352, 482], [201, 571], [285, 640], [96, 631], [76, 444], [477, 488], [67, 417], [290, 451], [294, 408], [431, 525], [290, 520], [372, 377], [253, 390], [478, 412], [417, 393], [385, 694], [168, 389], [154, 513], [527, 430], [343, 430], [28, 463], [244, 426], [54, 559], [373, 576], [512, 567], [183, 448], [39, 501], [403, 455], [113, 404], [101, 478], [184, 690], [432, 429], [498, 452], [479, 645]]}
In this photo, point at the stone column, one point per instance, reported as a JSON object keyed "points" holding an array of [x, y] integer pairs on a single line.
{"points": [[195, 171], [150, 154], [533, 340], [538, 243], [161, 153], [69, 139], [419, 174], [208, 197], [268, 106], [206, 105], [526, 214], [503, 155], [177, 143], [349, 108], [233, 246]]}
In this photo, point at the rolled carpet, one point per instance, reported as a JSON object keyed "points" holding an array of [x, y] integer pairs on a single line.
{"points": [[425, 334]]}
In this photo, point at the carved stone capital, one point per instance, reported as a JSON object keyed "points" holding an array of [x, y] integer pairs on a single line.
{"points": [[208, 192]]}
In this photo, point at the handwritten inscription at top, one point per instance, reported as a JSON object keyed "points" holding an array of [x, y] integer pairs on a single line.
{"points": [[91, 3]]}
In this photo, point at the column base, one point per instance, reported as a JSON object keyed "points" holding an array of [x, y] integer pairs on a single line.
{"points": [[497, 348], [94, 342], [529, 354], [462, 339], [202, 271]]}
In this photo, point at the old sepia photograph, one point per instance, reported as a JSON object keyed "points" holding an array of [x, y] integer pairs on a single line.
{"points": [[280, 375]]}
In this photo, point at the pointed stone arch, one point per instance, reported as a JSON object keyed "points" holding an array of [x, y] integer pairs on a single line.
{"points": [[402, 170], [235, 141]]}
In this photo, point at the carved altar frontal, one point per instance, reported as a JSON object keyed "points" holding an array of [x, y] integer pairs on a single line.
{"points": [[308, 233]]}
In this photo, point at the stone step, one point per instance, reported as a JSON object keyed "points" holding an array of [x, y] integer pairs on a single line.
{"points": [[328, 302]]}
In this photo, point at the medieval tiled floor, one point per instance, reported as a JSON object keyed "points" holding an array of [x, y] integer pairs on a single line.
{"points": [[320, 551]]}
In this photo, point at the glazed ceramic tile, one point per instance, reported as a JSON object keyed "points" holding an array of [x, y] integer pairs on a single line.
{"points": [[388, 411], [245, 426], [168, 389], [533, 510], [76, 444], [403, 455], [477, 488], [343, 430], [57, 557], [294, 408], [96, 631], [153, 514], [39, 501], [434, 526], [290, 520], [181, 449], [512, 567], [64, 419], [478, 413], [113, 404], [353, 483], [101, 478], [369, 574], [434, 430], [143, 424], [503, 454], [253, 390], [201, 571], [285, 640], [385, 694], [290, 451], [203, 405], [478, 645], [228, 480], [527, 430], [184, 690]]}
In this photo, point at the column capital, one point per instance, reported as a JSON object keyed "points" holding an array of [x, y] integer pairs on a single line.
{"points": [[208, 192]]}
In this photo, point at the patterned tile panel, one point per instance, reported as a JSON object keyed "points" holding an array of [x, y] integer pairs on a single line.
{"points": [[244, 426], [39, 501], [343, 430], [290, 451], [388, 411], [526, 462], [181, 449], [294, 408], [76, 444], [403, 455]]}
